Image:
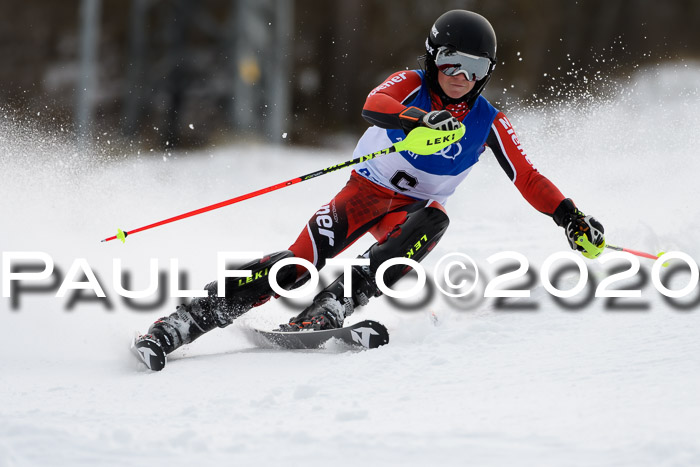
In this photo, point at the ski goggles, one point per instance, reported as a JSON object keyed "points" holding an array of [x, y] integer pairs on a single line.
{"points": [[452, 63]]}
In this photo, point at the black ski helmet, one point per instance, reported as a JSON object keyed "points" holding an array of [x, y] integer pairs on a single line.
{"points": [[462, 31]]}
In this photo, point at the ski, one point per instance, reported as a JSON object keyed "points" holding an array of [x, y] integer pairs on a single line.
{"points": [[149, 352], [366, 334]]}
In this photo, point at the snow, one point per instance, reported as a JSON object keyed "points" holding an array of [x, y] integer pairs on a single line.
{"points": [[462, 382]]}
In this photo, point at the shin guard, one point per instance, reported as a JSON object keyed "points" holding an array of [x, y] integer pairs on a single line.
{"points": [[413, 239], [206, 313]]}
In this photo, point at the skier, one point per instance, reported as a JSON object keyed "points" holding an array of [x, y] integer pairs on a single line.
{"points": [[399, 198]]}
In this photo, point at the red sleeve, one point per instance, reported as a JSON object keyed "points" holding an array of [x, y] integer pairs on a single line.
{"points": [[385, 107], [542, 194]]}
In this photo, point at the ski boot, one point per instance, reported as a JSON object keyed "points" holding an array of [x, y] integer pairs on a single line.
{"points": [[330, 307]]}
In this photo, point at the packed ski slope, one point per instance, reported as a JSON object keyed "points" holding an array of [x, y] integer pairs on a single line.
{"points": [[463, 382]]}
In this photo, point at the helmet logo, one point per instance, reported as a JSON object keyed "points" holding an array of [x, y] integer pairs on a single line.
{"points": [[434, 31], [430, 50]]}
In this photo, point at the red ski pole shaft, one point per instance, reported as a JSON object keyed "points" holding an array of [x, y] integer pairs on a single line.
{"points": [[211, 207], [634, 252], [121, 235]]}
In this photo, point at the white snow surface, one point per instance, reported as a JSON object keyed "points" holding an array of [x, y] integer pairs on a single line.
{"points": [[457, 385]]}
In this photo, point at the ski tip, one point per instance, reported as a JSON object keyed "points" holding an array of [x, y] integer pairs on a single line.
{"points": [[377, 336], [149, 352]]}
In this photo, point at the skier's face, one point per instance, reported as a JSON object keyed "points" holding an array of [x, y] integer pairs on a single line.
{"points": [[455, 86]]}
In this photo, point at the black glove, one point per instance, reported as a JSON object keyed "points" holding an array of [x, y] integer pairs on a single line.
{"points": [[440, 120], [414, 117], [584, 233]]}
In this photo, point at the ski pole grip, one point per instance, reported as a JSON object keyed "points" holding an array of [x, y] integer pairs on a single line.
{"points": [[592, 250]]}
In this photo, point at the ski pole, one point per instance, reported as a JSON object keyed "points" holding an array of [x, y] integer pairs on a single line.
{"points": [[594, 251], [420, 140]]}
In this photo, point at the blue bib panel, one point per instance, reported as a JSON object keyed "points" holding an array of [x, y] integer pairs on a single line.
{"points": [[459, 156]]}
